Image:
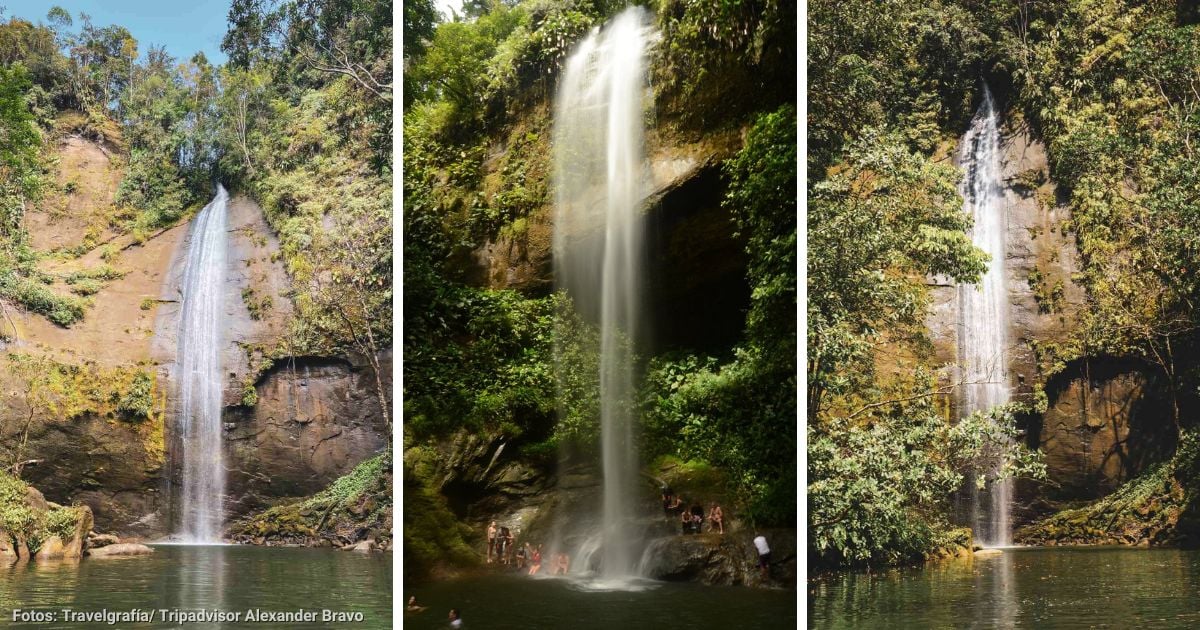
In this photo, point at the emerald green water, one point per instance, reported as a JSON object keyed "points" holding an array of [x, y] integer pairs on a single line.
{"points": [[515, 602], [1082, 587], [227, 578]]}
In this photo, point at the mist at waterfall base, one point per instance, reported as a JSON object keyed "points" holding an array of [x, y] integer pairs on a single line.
{"points": [[599, 256], [983, 310], [201, 484]]}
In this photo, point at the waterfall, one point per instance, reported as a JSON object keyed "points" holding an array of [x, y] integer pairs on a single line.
{"points": [[600, 183], [983, 333], [199, 379]]}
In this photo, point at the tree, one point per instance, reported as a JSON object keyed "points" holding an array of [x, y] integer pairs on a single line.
{"points": [[20, 141], [350, 290]]}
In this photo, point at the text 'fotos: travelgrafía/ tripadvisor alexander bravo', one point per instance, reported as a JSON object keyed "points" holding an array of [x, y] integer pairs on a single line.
{"points": [[174, 615]]}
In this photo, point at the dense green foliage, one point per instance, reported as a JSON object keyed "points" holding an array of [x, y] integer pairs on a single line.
{"points": [[1112, 87], [306, 125], [889, 84], [22, 522], [741, 415], [477, 172], [432, 536], [477, 358]]}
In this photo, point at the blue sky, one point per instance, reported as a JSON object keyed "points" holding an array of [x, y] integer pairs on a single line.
{"points": [[446, 5], [182, 26]]}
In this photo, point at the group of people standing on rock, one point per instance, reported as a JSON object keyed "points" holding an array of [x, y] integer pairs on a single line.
{"points": [[500, 549], [500, 545], [692, 519]]}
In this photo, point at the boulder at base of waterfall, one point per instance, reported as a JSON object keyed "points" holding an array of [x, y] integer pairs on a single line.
{"points": [[51, 549], [120, 549], [96, 541], [8, 548], [364, 546]]}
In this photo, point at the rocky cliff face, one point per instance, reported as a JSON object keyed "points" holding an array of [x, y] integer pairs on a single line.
{"points": [[696, 265], [294, 427], [1104, 422], [314, 419], [1041, 262], [1107, 422]]}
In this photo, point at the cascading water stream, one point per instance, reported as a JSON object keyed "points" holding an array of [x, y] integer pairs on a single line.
{"points": [[199, 379], [983, 333], [600, 183]]}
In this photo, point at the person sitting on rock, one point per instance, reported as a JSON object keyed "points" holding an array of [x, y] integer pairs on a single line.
{"points": [[716, 519], [697, 518], [522, 555]]}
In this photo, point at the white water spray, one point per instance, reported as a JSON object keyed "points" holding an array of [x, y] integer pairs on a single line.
{"points": [[983, 333], [200, 383], [600, 183]]}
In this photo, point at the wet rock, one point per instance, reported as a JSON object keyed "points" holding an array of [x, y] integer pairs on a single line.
{"points": [[720, 559], [8, 548], [51, 549], [315, 420], [120, 549], [36, 500], [96, 541], [364, 546], [711, 559], [1107, 421], [75, 546]]}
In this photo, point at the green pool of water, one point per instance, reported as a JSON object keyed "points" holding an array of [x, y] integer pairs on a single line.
{"points": [[515, 602], [1081, 587], [229, 578]]}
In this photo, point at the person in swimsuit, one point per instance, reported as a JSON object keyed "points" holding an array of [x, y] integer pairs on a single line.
{"points": [[491, 536], [413, 606], [536, 563]]}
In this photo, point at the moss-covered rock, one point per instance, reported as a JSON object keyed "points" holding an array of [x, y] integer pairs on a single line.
{"points": [[356, 507], [1144, 511], [31, 527], [435, 542]]}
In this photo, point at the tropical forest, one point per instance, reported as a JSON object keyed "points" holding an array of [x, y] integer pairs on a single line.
{"points": [[1003, 350], [196, 314], [600, 300]]}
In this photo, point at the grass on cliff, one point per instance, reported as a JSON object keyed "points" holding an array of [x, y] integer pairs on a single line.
{"points": [[1146, 510]]}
